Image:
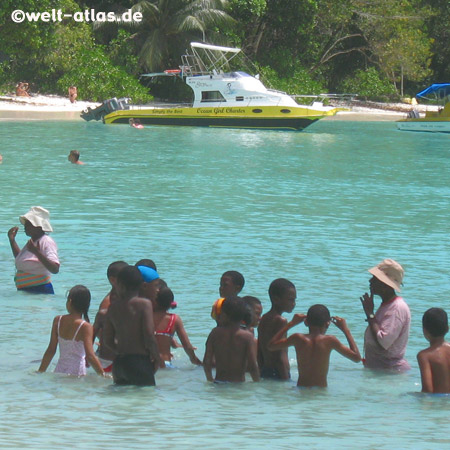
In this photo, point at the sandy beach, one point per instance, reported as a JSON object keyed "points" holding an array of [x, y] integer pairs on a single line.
{"points": [[52, 107], [41, 107]]}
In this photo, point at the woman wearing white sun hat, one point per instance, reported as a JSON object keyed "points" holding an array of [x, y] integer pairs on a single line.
{"points": [[387, 334], [38, 259]]}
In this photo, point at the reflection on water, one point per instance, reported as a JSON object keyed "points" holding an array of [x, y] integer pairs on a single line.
{"points": [[318, 207]]}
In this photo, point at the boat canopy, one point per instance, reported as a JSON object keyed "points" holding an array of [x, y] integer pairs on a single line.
{"points": [[215, 47], [445, 87]]}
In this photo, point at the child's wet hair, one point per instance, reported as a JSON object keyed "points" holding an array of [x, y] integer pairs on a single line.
{"points": [[147, 263], [130, 277], [237, 278], [75, 154], [114, 268], [435, 321], [165, 297], [318, 315], [235, 308], [80, 297], [278, 287]]}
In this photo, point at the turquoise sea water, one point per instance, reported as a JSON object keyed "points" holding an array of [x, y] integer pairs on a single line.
{"points": [[318, 207]]}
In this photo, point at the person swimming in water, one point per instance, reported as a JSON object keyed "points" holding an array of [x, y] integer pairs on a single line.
{"points": [[135, 123]]}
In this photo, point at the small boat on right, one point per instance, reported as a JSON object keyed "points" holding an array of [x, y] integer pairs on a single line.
{"points": [[433, 121]]}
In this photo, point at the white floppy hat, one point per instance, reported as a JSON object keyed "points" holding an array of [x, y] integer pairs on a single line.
{"points": [[390, 272], [39, 217]]}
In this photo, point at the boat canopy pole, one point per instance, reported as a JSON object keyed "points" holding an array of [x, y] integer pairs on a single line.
{"points": [[214, 61], [215, 47]]}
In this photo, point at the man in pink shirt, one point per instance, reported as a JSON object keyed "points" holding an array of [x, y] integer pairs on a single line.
{"points": [[386, 336]]}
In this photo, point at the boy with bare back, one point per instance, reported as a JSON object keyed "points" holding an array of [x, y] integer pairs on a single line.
{"points": [[232, 348], [129, 332], [434, 361], [275, 363], [104, 354], [313, 349]]}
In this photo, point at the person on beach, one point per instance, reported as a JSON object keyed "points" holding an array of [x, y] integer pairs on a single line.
{"points": [[275, 363], [386, 336], [104, 354], [434, 361], [166, 325], [74, 157], [313, 349], [73, 94], [22, 89], [232, 348], [231, 284], [130, 334], [38, 259], [73, 333]]}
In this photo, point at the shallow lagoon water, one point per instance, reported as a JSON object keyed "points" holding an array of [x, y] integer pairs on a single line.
{"points": [[317, 207]]}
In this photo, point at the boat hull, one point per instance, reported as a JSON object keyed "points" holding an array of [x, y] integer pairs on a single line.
{"points": [[433, 126], [278, 118]]}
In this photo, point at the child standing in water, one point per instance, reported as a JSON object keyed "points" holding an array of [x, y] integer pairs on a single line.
{"points": [[434, 361], [166, 325], [231, 348], [74, 334], [313, 349], [274, 364]]}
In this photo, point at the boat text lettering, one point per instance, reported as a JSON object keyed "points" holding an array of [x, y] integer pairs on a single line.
{"points": [[166, 111], [220, 111]]}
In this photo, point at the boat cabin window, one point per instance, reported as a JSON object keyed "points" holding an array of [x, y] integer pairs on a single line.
{"points": [[239, 99], [212, 96]]}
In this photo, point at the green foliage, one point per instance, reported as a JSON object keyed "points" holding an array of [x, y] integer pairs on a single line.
{"points": [[310, 44], [167, 27], [300, 82], [393, 32], [123, 52], [30, 35], [247, 10], [438, 30], [98, 79], [369, 84], [71, 57]]}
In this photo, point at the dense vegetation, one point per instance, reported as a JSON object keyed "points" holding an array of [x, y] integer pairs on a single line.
{"points": [[379, 49]]}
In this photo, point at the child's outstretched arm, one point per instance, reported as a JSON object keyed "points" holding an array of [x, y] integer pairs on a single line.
{"points": [[279, 341], [252, 364], [351, 353], [425, 372], [208, 358], [188, 348], [52, 346], [87, 333]]}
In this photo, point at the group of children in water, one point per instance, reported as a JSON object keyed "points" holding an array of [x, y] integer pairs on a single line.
{"points": [[136, 333]]}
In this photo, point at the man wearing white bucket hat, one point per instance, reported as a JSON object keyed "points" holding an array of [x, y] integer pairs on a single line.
{"points": [[387, 335], [38, 259]]}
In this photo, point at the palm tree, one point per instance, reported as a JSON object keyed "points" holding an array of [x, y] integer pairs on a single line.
{"points": [[168, 26]]}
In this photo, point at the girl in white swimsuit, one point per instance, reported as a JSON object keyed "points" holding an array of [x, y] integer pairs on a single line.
{"points": [[74, 334]]}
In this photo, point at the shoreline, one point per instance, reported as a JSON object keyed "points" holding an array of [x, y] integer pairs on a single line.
{"points": [[59, 108]]}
